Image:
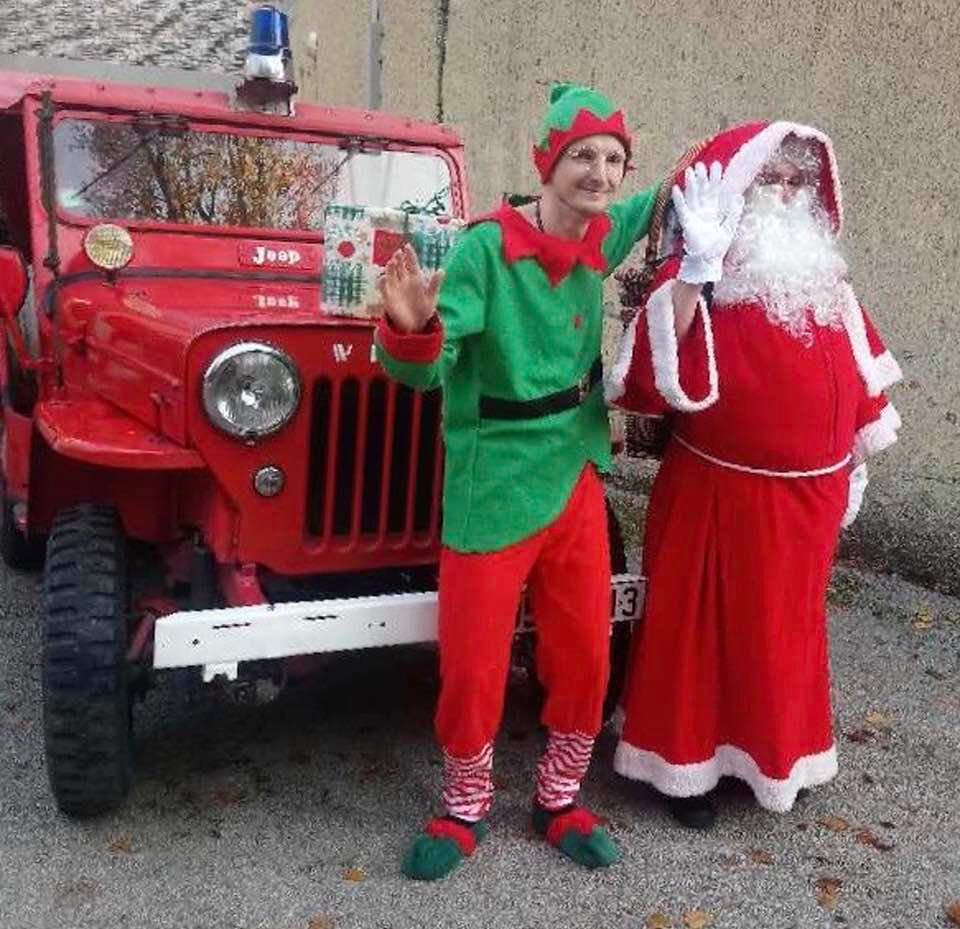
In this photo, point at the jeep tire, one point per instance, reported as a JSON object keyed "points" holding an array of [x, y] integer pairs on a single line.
{"points": [[86, 700]]}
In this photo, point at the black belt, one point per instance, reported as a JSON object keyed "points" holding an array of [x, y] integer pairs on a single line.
{"points": [[559, 402]]}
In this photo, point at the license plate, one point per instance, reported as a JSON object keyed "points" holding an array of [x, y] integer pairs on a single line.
{"points": [[626, 601], [626, 597]]}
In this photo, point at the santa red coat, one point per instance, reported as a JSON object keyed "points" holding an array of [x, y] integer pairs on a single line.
{"points": [[729, 673]]}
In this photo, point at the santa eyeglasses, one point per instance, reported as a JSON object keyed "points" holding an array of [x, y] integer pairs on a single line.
{"points": [[795, 165]]}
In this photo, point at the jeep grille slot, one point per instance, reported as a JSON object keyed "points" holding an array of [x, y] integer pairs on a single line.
{"points": [[375, 464]]}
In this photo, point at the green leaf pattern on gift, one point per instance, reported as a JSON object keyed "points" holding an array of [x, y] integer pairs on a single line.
{"points": [[349, 275]]}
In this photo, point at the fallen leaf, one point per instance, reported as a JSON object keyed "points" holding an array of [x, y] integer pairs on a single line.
{"points": [[861, 736], [321, 922], [355, 874], [120, 846], [229, 795], [866, 837], [923, 618], [759, 856], [953, 913], [697, 919], [834, 823], [658, 920], [878, 721], [828, 892]]}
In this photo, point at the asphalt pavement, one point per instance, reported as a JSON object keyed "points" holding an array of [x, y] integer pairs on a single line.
{"points": [[294, 814]]}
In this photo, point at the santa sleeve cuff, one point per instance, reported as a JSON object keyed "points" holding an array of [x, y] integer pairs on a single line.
{"points": [[878, 371], [422, 347], [657, 348], [855, 491], [876, 435]]}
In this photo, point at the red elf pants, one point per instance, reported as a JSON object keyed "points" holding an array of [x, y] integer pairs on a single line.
{"points": [[566, 567]]}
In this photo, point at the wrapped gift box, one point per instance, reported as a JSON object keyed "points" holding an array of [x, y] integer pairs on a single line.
{"points": [[358, 243]]}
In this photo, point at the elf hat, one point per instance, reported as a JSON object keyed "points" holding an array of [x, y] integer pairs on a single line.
{"points": [[575, 112]]}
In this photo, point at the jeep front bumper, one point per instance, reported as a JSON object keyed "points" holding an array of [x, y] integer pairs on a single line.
{"points": [[218, 640]]}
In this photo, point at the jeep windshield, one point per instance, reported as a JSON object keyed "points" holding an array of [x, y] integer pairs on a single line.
{"points": [[163, 170]]}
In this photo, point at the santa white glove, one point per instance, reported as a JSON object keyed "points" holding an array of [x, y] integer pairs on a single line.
{"points": [[709, 216]]}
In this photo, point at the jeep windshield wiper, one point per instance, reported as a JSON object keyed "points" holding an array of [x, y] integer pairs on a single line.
{"points": [[353, 146], [170, 125]]}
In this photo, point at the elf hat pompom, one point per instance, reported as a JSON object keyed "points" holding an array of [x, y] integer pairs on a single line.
{"points": [[575, 112]]}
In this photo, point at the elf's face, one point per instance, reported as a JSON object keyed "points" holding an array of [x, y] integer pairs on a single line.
{"points": [[589, 173]]}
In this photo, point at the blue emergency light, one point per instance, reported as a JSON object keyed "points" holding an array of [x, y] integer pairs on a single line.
{"points": [[268, 51]]}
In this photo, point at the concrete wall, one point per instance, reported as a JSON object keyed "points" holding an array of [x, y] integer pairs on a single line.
{"points": [[205, 34], [880, 77]]}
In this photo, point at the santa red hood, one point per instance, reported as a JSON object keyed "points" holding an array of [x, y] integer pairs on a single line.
{"points": [[743, 150]]}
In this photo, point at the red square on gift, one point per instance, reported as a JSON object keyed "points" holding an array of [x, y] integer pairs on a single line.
{"points": [[385, 243]]}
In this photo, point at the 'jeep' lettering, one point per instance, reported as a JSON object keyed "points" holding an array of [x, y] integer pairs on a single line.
{"points": [[277, 255], [268, 256]]}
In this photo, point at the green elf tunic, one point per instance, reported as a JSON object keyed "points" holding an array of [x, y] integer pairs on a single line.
{"points": [[521, 318]]}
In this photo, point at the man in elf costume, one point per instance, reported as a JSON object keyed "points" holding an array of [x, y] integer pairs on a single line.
{"points": [[774, 385], [511, 330]]}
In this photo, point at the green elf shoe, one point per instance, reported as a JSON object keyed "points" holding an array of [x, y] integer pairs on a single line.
{"points": [[442, 845], [578, 834]]}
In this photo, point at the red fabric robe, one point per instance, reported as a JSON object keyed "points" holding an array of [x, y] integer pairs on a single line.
{"points": [[729, 673]]}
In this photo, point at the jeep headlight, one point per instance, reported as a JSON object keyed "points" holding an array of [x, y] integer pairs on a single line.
{"points": [[251, 390]]}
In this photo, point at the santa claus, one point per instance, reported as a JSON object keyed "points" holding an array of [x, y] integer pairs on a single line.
{"points": [[754, 346]]}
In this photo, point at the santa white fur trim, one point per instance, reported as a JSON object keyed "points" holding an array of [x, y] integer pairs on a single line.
{"points": [[855, 491], [746, 163], [886, 369], [689, 780], [614, 383], [878, 435], [878, 372], [666, 359]]}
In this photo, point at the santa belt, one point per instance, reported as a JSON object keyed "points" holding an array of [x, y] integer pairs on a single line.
{"points": [[559, 402], [816, 472]]}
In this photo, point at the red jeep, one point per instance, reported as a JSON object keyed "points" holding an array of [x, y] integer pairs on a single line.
{"points": [[219, 476]]}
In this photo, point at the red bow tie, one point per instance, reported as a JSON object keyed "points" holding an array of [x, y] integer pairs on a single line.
{"points": [[556, 256]]}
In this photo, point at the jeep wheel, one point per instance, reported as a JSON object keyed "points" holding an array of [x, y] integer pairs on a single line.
{"points": [[86, 702], [17, 550]]}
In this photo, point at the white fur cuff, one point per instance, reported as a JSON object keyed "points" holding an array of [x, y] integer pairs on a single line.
{"points": [[666, 357], [855, 492], [876, 436]]}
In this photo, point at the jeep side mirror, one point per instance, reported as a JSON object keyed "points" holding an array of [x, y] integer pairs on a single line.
{"points": [[13, 282]]}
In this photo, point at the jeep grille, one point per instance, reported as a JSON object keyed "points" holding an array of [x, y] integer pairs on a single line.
{"points": [[375, 464]]}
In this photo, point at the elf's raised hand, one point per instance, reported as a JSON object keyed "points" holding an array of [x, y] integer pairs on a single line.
{"points": [[709, 215], [409, 299]]}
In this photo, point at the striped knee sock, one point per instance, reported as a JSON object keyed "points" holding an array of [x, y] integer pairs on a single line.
{"points": [[561, 769], [468, 784]]}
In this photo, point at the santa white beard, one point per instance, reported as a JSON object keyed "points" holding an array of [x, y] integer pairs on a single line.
{"points": [[785, 257]]}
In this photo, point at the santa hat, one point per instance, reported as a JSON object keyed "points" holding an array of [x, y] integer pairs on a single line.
{"points": [[575, 112], [742, 151]]}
